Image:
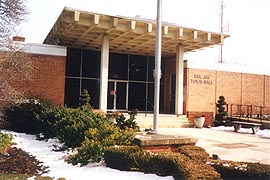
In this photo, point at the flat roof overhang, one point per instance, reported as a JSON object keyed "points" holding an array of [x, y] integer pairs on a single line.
{"points": [[81, 29]]}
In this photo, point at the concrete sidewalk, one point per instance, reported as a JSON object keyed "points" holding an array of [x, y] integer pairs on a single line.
{"points": [[228, 145]]}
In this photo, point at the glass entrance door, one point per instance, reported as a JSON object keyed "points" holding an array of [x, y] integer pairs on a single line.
{"points": [[117, 95]]}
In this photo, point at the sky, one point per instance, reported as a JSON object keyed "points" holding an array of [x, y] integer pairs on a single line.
{"points": [[246, 21]]}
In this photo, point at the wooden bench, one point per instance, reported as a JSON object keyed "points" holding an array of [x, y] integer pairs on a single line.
{"points": [[254, 126]]}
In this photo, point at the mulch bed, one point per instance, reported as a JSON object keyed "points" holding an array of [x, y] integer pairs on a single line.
{"points": [[17, 161]]}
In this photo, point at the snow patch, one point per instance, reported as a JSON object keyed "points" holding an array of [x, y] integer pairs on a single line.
{"points": [[260, 133], [43, 151]]}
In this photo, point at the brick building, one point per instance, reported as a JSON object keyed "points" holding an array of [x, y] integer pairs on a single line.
{"points": [[113, 58]]}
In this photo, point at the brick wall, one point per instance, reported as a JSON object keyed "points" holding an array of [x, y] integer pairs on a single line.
{"points": [[47, 81], [252, 89], [237, 88], [208, 117], [229, 86], [267, 91], [201, 90]]}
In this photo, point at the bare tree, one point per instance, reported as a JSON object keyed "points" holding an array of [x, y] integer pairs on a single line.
{"points": [[12, 13], [15, 65]]}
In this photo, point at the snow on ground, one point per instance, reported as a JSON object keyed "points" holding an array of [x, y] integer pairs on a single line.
{"points": [[260, 133], [59, 168]]}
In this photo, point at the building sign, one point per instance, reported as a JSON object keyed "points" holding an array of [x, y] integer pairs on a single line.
{"points": [[201, 79]]}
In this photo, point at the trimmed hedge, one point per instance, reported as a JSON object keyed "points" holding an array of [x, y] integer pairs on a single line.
{"points": [[194, 152], [191, 163], [125, 158], [241, 170], [164, 164]]}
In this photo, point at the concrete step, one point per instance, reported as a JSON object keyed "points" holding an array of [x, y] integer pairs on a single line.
{"points": [[145, 121]]}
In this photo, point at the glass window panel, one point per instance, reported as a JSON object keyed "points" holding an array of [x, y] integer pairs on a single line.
{"points": [[117, 95], [121, 90], [111, 94], [72, 91], [151, 68], [137, 68], [136, 97], [161, 99], [150, 97], [162, 71], [118, 67], [92, 86], [73, 62], [91, 64]]}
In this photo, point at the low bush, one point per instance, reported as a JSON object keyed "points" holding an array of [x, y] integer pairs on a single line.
{"points": [[125, 158], [34, 116], [98, 139], [241, 170], [5, 142], [69, 125], [175, 164], [22, 116], [191, 169], [228, 169], [161, 165], [194, 152], [120, 120]]}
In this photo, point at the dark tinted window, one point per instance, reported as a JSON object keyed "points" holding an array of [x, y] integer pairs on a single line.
{"points": [[137, 68], [151, 68], [73, 63], [72, 91], [92, 86], [150, 97], [118, 67], [91, 64], [136, 97]]}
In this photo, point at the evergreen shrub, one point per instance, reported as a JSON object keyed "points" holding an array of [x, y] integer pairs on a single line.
{"points": [[178, 165], [161, 164], [98, 139], [69, 125], [125, 158], [241, 170], [84, 98], [123, 123], [194, 152], [220, 117], [34, 116], [22, 116]]}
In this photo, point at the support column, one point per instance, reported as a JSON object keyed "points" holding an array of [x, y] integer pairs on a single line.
{"points": [[104, 69], [179, 91]]}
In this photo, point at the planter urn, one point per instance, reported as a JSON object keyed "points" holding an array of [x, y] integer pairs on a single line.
{"points": [[199, 121]]}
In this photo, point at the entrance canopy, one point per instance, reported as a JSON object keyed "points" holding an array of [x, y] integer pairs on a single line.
{"points": [[80, 29]]}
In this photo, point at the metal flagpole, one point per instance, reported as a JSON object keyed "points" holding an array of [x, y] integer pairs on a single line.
{"points": [[157, 71]]}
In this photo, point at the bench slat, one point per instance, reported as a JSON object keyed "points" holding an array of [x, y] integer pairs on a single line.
{"points": [[254, 126]]}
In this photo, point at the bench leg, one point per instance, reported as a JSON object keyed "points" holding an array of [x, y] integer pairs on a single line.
{"points": [[255, 129], [236, 127]]}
